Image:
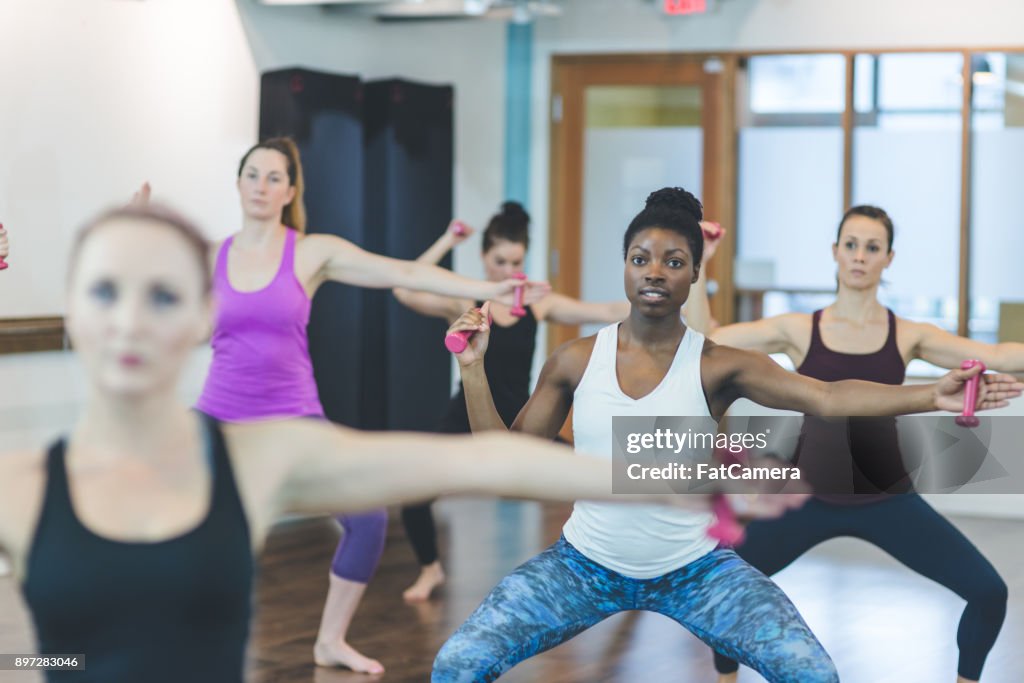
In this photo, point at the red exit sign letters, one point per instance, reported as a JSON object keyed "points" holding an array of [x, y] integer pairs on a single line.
{"points": [[685, 6]]}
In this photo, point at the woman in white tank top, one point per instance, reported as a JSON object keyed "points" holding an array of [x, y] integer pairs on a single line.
{"points": [[640, 557]]}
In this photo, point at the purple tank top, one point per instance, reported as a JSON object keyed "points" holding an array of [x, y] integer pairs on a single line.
{"points": [[261, 367], [874, 466]]}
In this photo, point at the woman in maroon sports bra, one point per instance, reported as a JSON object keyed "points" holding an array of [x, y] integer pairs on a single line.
{"points": [[856, 337]]}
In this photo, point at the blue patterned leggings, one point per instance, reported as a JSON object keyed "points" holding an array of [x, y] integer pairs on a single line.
{"points": [[560, 593]]}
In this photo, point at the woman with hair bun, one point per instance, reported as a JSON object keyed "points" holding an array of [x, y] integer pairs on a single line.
{"points": [[513, 342], [611, 560]]}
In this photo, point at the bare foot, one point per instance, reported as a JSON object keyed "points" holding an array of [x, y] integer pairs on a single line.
{"points": [[431, 577], [342, 654]]}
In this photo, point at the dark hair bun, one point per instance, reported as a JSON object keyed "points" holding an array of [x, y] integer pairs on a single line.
{"points": [[511, 224], [514, 210], [676, 199]]}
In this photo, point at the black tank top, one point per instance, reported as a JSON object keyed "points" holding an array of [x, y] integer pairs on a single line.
{"points": [[507, 366], [169, 611], [874, 465]]}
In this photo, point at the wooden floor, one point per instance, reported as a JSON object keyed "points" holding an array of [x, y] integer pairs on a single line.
{"points": [[881, 623]]}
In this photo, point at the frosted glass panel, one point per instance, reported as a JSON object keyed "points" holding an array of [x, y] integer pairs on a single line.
{"points": [[640, 106], [915, 177], [864, 83], [997, 205], [908, 163], [919, 81], [790, 201], [788, 84], [623, 166]]}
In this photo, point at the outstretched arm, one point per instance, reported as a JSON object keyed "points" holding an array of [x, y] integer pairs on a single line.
{"points": [[755, 376], [338, 469], [344, 262], [334, 469], [946, 350]]}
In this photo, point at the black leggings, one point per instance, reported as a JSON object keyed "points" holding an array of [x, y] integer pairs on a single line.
{"points": [[910, 530], [418, 520], [421, 531]]}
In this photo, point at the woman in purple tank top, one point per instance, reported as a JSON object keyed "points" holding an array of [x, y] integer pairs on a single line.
{"points": [[264, 279], [856, 337]]}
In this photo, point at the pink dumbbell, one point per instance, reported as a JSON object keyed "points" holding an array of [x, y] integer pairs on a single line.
{"points": [[459, 229], [3, 264], [517, 304], [711, 229], [726, 529], [456, 342], [970, 395]]}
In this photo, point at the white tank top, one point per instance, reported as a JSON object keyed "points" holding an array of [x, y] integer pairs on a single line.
{"points": [[639, 541]]}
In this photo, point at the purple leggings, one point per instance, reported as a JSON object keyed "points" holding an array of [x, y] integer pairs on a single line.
{"points": [[361, 545]]}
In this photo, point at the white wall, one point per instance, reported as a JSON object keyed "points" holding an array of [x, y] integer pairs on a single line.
{"points": [[99, 95]]}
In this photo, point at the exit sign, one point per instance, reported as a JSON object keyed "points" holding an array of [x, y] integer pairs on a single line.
{"points": [[685, 6]]}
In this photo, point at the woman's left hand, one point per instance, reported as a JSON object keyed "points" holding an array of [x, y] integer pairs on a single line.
{"points": [[994, 390], [533, 291]]}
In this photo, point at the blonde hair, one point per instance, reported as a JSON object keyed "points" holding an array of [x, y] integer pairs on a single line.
{"points": [[294, 214], [156, 213]]}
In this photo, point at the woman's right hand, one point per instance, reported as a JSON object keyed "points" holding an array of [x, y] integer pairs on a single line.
{"points": [[459, 231], [474, 320]]}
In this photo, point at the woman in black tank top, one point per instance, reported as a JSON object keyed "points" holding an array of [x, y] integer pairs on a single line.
{"points": [[508, 365], [858, 338], [134, 537]]}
